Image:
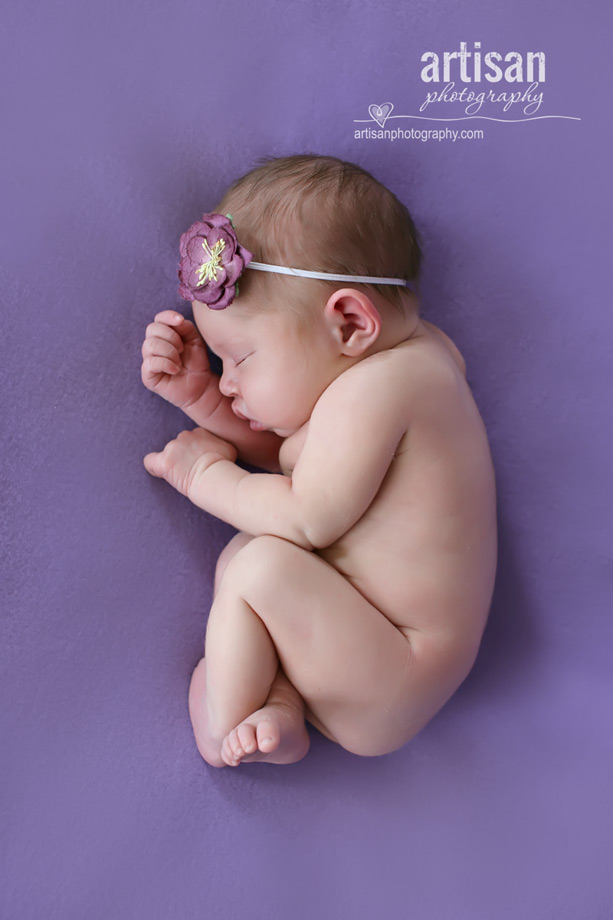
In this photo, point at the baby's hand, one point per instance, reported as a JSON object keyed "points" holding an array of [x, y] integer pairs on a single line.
{"points": [[190, 452], [175, 362]]}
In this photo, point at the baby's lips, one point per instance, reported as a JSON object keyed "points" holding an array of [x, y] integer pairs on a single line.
{"points": [[239, 414]]}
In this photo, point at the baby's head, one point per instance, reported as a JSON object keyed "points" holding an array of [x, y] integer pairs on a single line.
{"points": [[321, 214], [284, 338]]}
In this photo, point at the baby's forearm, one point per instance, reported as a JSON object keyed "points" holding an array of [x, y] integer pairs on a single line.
{"points": [[256, 503], [257, 448]]}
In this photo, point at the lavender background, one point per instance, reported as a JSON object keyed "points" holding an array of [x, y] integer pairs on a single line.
{"points": [[121, 122]]}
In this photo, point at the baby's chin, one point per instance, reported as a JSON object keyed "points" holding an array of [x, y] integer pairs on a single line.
{"points": [[284, 432], [256, 425]]}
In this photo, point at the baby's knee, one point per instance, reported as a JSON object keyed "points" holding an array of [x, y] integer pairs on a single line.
{"points": [[228, 553], [261, 562]]}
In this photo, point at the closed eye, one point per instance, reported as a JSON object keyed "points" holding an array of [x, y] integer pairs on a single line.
{"points": [[240, 361]]}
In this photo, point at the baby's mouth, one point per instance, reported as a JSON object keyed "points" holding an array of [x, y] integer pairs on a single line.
{"points": [[238, 412], [255, 426]]}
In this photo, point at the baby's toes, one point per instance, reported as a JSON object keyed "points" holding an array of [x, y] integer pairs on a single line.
{"points": [[246, 738], [268, 735], [229, 748]]}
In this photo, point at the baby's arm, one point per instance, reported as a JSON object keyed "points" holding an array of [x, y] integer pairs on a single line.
{"points": [[353, 434]]}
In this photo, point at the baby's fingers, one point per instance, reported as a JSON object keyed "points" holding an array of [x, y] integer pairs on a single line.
{"points": [[184, 327], [153, 464], [157, 347], [154, 367], [169, 316], [158, 330]]}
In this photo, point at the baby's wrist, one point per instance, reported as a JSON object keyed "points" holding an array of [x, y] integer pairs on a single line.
{"points": [[201, 409], [199, 470]]}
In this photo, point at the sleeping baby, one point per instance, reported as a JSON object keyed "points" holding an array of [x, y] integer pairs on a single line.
{"points": [[356, 592]]}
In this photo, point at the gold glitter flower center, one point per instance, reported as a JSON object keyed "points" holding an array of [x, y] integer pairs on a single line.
{"points": [[208, 269]]}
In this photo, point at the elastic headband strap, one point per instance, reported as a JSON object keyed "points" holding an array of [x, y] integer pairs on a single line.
{"points": [[326, 276], [212, 261]]}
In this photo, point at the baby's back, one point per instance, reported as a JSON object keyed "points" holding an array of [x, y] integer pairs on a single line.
{"points": [[424, 553]]}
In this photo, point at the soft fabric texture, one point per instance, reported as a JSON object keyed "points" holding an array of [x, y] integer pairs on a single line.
{"points": [[122, 123]]}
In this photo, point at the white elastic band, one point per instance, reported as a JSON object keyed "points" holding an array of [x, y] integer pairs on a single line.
{"points": [[302, 273]]}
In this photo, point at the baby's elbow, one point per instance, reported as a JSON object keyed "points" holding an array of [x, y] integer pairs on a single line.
{"points": [[326, 530], [321, 520], [312, 540], [301, 538]]}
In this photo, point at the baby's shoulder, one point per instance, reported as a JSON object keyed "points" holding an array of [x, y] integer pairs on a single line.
{"points": [[373, 377], [410, 365], [420, 369], [379, 386]]}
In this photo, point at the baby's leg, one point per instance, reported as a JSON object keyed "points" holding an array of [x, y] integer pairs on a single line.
{"points": [[354, 669], [276, 732]]}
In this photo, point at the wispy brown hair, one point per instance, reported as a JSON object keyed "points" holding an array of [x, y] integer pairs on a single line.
{"points": [[322, 213]]}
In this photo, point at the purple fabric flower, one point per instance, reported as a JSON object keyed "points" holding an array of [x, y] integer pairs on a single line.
{"points": [[212, 260]]}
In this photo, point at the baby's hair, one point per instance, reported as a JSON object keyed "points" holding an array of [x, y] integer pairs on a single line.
{"points": [[321, 213]]}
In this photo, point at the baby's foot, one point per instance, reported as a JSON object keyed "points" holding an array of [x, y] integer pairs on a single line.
{"points": [[274, 734]]}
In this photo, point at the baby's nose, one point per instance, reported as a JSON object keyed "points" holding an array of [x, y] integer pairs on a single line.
{"points": [[227, 385]]}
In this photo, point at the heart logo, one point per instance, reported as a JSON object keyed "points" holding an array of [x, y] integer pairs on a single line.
{"points": [[380, 113]]}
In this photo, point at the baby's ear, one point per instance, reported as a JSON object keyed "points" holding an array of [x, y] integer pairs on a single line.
{"points": [[353, 321]]}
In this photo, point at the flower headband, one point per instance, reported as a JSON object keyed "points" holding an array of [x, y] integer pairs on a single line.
{"points": [[212, 261]]}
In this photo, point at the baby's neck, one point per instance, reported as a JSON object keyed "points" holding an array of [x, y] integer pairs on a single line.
{"points": [[396, 328]]}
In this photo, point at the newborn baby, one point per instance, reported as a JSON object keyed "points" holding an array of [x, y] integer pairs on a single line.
{"points": [[356, 593]]}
